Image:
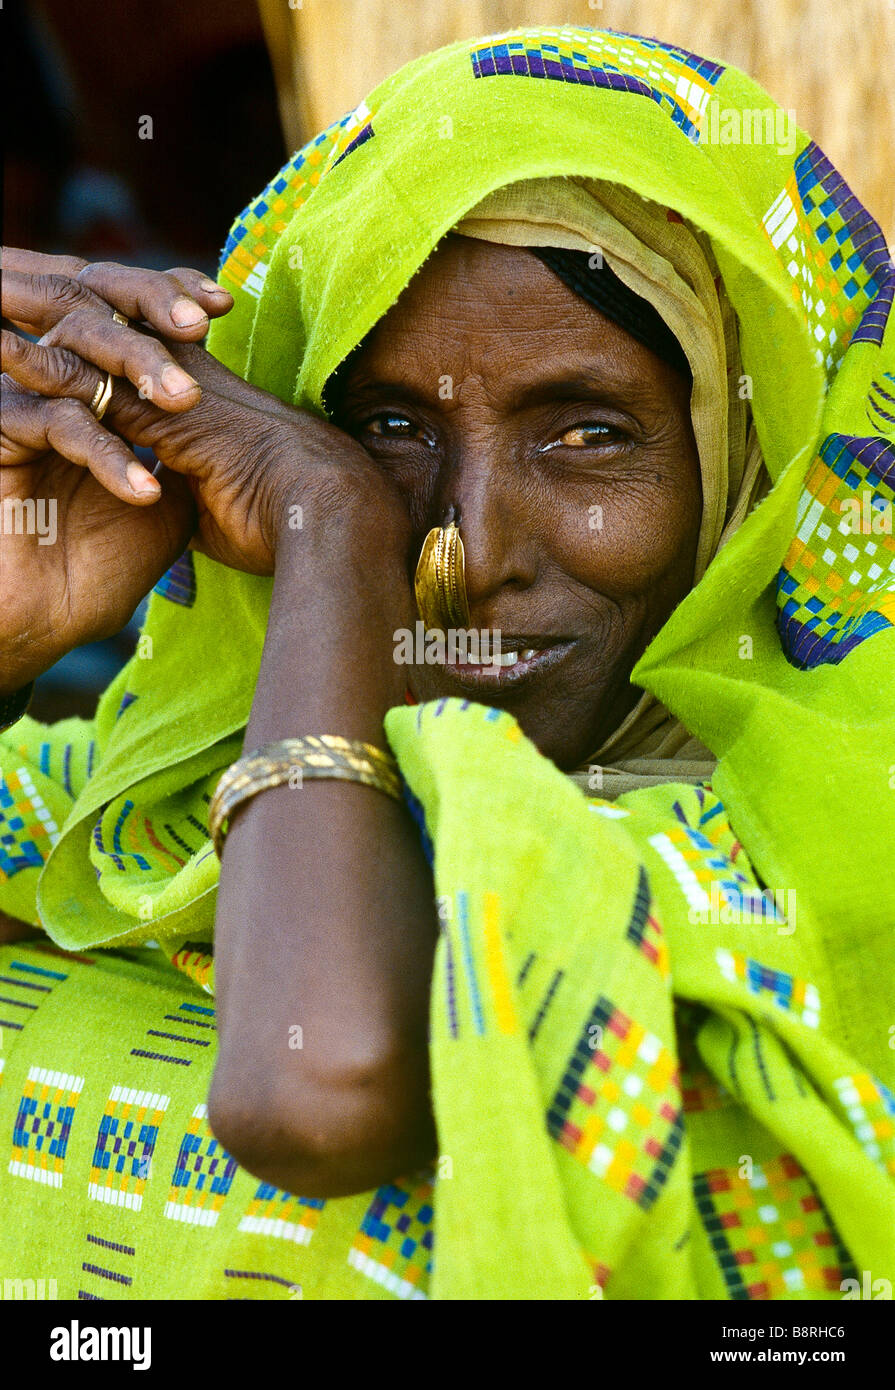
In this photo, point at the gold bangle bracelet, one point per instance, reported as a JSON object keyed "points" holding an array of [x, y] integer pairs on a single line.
{"points": [[313, 756]]}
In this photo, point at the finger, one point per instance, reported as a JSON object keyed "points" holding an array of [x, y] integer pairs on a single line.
{"points": [[49, 371], [37, 263], [37, 294], [121, 350], [174, 306], [37, 300], [214, 297], [69, 428]]}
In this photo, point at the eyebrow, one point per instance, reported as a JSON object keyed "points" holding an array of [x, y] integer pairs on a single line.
{"points": [[603, 387]]}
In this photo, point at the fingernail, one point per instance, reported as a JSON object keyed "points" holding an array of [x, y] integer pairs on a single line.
{"points": [[211, 288], [141, 481], [175, 381], [185, 313]]}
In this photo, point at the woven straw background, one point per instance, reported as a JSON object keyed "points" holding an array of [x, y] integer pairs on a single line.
{"points": [[831, 61]]}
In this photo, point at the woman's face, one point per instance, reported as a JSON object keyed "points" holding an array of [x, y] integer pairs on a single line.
{"points": [[566, 450]]}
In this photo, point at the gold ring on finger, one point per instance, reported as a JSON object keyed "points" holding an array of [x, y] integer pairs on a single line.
{"points": [[120, 318], [101, 397]]}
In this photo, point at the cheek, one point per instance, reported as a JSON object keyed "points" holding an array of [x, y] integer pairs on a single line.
{"points": [[624, 539]]}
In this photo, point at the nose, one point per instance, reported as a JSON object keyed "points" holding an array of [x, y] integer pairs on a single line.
{"points": [[483, 498]]}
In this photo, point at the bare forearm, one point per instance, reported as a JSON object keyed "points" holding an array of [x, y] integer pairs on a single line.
{"points": [[326, 921]]}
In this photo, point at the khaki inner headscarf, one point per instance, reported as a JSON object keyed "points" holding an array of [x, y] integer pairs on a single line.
{"points": [[669, 263]]}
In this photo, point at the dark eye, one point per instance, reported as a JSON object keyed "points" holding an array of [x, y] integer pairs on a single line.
{"points": [[390, 424]]}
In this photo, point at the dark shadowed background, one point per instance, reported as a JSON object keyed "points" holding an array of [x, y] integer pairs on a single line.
{"points": [[81, 77]]}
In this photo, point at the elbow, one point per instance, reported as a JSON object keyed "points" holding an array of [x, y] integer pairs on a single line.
{"points": [[328, 1136]]}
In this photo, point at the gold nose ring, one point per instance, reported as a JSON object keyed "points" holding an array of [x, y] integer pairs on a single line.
{"points": [[440, 582]]}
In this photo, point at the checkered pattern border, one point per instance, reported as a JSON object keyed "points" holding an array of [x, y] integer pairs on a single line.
{"points": [[833, 250], [394, 1244], [27, 829], [788, 992], [125, 1143], [870, 1108], [246, 253], [836, 586], [627, 1130], [203, 1175], [273, 1212], [769, 1231], [678, 81], [42, 1126], [645, 930], [697, 864]]}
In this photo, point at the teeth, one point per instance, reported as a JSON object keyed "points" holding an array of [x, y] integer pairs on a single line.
{"points": [[511, 658]]}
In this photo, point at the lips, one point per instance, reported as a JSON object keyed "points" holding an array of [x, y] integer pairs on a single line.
{"points": [[522, 661], [507, 651]]}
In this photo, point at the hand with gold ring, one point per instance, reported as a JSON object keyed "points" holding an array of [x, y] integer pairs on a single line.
{"points": [[88, 316], [84, 528], [101, 397], [235, 460]]}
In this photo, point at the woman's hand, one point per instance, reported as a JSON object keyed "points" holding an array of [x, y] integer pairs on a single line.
{"points": [[256, 468], [239, 463], [80, 545]]}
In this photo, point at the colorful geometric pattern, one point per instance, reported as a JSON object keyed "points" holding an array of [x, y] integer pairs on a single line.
{"points": [[881, 401], [870, 1107], [617, 1109], [678, 81], [770, 1233], [27, 829], [697, 863], [836, 586], [152, 846], [462, 977], [247, 249], [355, 129], [394, 1244], [24, 989], [122, 1156], [645, 930], [42, 1126], [796, 996], [273, 1212], [834, 285], [203, 1175], [178, 584], [872, 327], [196, 961]]}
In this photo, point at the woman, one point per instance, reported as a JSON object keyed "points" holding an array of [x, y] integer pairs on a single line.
{"points": [[657, 1059]]}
